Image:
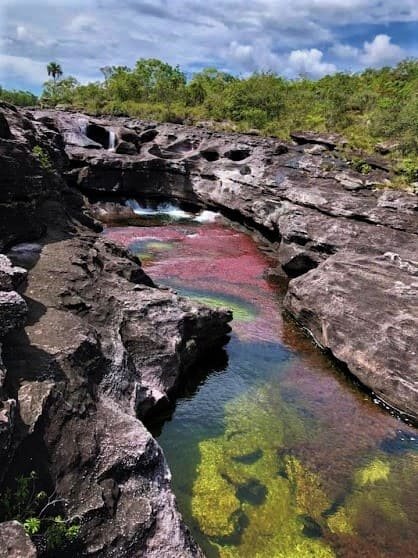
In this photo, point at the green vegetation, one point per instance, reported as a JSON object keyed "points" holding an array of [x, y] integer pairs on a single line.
{"points": [[19, 98], [43, 158], [254, 496], [54, 69], [36, 511], [367, 108]]}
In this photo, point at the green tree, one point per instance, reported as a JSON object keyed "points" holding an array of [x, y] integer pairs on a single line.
{"points": [[54, 69], [62, 91]]}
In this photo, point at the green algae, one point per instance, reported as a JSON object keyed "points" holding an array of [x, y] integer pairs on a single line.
{"points": [[377, 470], [144, 256], [254, 498], [310, 496], [340, 522], [241, 312], [273, 526], [379, 496], [158, 246]]}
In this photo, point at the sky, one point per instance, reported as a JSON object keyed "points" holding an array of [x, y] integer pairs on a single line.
{"points": [[289, 37]]}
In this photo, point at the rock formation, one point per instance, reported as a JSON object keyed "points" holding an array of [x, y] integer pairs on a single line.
{"points": [[102, 345], [347, 241]]}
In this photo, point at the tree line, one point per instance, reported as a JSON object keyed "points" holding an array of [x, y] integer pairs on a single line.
{"points": [[367, 107]]}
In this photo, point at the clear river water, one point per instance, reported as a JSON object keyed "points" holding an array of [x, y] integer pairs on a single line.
{"points": [[274, 452]]}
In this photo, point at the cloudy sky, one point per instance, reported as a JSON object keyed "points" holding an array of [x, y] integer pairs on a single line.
{"points": [[289, 37]]}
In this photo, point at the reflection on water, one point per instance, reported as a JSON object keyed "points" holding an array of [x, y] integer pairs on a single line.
{"points": [[274, 453]]}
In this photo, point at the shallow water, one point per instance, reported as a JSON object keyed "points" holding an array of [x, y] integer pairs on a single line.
{"points": [[274, 452]]}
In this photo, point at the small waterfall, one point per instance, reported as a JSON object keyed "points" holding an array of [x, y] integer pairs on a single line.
{"points": [[160, 209], [112, 140], [82, 124], [206, 216]]}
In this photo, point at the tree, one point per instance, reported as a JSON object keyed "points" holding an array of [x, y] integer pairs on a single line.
{"points": [[62, 91], [54, 69]]}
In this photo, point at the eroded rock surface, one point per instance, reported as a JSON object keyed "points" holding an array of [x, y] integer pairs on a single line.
{"points": [[89, 344], [365, 307]]}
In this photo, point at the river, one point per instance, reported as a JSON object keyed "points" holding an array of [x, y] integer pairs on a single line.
{"points": [[274, 451]]}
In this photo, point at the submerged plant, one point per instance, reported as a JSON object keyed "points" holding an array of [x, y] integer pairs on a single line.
{"points": [[240, 312], [253, 497], [240, 499]]}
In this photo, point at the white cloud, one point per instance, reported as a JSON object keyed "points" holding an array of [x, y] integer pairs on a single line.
{"points": [[344, 51], [309, 62], [376, 53], [21, 32], [20, 68], [82, 23], [237, 35], [258, 56], [381, 51]]}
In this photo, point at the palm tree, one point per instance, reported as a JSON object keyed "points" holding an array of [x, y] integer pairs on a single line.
{"points": [[54, 70]]}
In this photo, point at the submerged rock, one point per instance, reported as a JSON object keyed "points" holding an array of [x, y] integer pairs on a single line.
{"points": [[228, 487]]}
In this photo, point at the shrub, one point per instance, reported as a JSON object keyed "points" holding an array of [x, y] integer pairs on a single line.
{"points": [[43, 158], [33, 508]]}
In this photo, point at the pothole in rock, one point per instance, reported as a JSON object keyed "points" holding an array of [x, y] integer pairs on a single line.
{"points": [[183, 146], [210, 155], [237, 154], [98, 134], [163, 153]]}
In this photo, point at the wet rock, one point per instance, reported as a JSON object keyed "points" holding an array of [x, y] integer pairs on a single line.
{"points": [[25, 254], [361, 307], [14, 542], [99, 134], [110, 212], [126, 148]]}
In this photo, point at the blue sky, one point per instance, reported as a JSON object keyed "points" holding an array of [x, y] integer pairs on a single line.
{"points": [[290, 37]]}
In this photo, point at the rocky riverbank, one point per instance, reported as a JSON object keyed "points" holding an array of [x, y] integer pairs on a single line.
{"points": [[89, 343], [347, 241]]}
